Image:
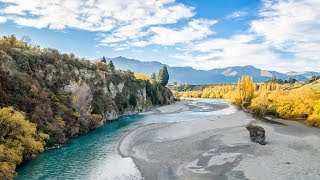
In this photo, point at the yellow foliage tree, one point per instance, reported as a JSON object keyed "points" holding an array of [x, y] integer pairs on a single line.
{"points": [[297, 103], [19, 140], [142, 76], [245, 90], [262, 104], [268, 99], [316, 108], [215, 91], [314, 119], [270, 86], [294, 104], [11, 41]]}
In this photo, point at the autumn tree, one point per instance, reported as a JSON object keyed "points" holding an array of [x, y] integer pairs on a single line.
{"points": [[19, 140], [316, 107], [246, 89], [9, 41], [269, 86], [297, 103], [163, 76], [313, 120], [141, 76]]}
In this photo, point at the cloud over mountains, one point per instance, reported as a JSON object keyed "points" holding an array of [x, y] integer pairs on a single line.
{"points": [[283, 36]]}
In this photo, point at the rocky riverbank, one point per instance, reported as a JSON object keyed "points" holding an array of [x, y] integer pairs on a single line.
{"points": [[219, 147]]}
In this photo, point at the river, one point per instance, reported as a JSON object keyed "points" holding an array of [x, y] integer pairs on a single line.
{"points": [[198, 139], [85, 156]]}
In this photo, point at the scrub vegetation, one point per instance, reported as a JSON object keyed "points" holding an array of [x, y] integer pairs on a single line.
{"points": [[47, 97]]}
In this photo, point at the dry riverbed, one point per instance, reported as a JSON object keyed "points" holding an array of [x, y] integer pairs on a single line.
{"points": [[218, 146]]}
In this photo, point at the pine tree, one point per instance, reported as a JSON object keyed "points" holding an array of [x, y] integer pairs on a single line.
{"points": [[163, 76], [153, 77], [111, 66], [103, 60]]}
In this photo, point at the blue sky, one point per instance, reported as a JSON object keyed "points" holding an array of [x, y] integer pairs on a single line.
{"points": [[278, 35]]}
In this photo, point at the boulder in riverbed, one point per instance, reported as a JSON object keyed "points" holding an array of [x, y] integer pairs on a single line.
{"points": [[257, 133]]}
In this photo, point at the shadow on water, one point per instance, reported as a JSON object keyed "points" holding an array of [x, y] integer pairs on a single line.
{"points": [[85, 150], [266, 120]]}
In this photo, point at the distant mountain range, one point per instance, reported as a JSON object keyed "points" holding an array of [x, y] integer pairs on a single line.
{"points": [[214, 76]]}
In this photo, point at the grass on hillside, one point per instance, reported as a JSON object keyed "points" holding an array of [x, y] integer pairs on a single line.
{"points": [[314, 86]]}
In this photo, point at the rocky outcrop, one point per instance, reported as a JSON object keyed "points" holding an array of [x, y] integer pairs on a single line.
{"points": [[122, 95], [111, 115], [257, 134], [115, 88], [112, 90]]}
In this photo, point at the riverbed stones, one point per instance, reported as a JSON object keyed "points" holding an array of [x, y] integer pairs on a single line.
{"points": [[257, 134]]}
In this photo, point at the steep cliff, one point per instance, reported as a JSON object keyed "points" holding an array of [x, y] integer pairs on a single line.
{"points": [[66, 96]]}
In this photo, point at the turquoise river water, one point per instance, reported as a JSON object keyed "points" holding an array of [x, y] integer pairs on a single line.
{"points": [[95, 155]]}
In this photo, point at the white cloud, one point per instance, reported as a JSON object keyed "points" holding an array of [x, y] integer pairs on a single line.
{"points": [[237, 50], [195, 30], [289, 21], [3, 19], [126, 18], [155, 50], [57, 14], [121, 24], [290, 26], [137, 50], [139, 43], [236, 14], [285, 27], [127, 32]]}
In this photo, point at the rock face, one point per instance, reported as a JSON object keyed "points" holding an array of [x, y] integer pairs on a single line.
{"points": [[257, 134]]}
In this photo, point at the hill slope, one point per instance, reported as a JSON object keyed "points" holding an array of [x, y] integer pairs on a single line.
{"points": [[44, 92], [313, 85], [66, 96]]}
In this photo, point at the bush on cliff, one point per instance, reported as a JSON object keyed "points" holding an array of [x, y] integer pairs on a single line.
{"points": [[49, 86], [19, 139], [61, 95]]}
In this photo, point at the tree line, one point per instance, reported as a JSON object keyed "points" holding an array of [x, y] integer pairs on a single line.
{"points": [[269, 98], [163, 76]]}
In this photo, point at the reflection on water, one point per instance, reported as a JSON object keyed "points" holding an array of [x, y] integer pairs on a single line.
{"points": [[95, 156]]}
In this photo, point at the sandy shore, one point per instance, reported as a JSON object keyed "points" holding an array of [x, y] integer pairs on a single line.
{"points": [[176, 107], [218, 147]]}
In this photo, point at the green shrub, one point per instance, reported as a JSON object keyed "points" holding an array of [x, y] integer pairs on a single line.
{"points": [[133, 100]]}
